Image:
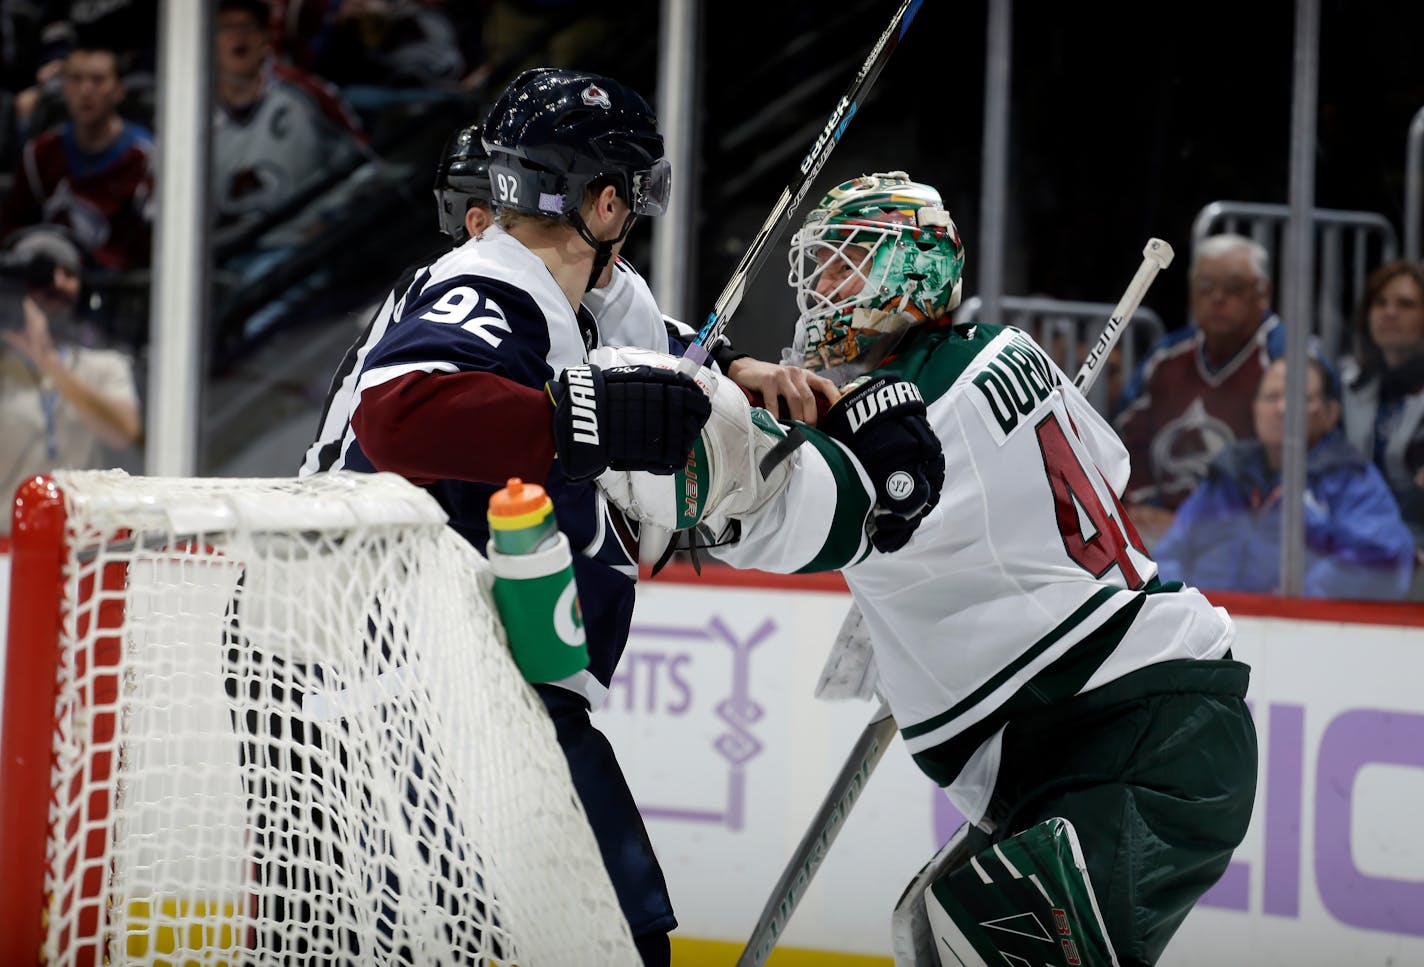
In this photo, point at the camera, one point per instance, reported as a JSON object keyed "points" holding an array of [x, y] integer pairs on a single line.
{"points": [[21, 274], [28, 271]]}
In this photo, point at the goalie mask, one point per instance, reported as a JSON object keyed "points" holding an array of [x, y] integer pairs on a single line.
{"points": [[878, 255]]}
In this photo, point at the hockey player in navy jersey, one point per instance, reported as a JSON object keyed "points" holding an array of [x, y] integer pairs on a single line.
{"points": [[1086, 718], [454, 393], [464, 379], [621, 305]]}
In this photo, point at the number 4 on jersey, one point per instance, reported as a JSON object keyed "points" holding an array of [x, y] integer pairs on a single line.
{"points": [[1072, 490]]}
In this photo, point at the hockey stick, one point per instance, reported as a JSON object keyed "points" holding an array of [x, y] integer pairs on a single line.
{"points": [[865, 755], [855, 773], [791, 195], [1155, 257]]}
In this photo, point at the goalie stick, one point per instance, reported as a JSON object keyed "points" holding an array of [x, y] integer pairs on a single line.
{"points": [[1156, 256], [726, 304], [875, 738]]}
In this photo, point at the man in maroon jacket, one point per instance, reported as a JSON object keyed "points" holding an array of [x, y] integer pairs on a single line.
{"points": [[93, 175]]}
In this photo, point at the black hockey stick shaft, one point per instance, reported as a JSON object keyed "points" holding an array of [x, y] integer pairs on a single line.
{"points": [[880, 730], [844, 791], [792, 194]]}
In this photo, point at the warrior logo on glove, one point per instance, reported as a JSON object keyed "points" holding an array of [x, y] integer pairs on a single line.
{"points": [[886, 395], [583, 405], [625, 418], [882, 419], [900, 485]]}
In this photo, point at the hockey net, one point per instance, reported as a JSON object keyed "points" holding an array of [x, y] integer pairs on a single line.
{"points": [[275, 722]]}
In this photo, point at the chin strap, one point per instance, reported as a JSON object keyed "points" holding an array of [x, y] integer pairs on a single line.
{"points": [[602, 250]]}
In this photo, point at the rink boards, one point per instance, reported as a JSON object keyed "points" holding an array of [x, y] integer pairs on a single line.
{"points": [[729, 755]]}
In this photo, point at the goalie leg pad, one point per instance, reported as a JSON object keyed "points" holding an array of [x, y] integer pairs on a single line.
{"points": [[912, 940], [1026, 899], [723, 476]]}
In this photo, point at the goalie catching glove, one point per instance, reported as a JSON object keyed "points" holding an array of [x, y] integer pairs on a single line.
{"points": [[625, 417], [883, 421]]}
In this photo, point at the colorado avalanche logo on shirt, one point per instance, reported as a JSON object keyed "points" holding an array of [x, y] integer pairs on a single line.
{"points": [[595, 96]]}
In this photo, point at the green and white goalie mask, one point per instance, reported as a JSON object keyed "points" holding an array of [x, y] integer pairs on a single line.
{"points": [[878, 255]]}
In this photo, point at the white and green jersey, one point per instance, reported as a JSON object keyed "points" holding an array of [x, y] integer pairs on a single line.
{"points": [[1025, 586]]}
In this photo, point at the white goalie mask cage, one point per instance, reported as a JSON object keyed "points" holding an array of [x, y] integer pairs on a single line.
{"points": [[878, 255]]}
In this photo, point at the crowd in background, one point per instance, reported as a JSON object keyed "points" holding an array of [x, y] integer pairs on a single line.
{"points": [[327, 115], [1204, 421], [318, 102], [309, 95]]}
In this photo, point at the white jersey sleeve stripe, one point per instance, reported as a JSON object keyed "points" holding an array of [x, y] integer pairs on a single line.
{"points": [[385, 374]]}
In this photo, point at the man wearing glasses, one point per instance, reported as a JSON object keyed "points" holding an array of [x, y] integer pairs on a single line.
{"points": [[1191, 397]]}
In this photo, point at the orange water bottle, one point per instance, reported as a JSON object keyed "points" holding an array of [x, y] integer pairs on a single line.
{"points": [[534, 587]]}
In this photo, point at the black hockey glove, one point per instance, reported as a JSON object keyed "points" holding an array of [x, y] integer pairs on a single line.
{"points": [[882, 419], [625, 418]]}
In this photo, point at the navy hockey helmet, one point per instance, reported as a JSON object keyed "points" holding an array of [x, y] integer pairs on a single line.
{"points": [[461, 180], [554, 132]]}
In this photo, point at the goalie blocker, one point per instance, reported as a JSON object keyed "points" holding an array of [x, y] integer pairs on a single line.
{"points": [[875, 462]]}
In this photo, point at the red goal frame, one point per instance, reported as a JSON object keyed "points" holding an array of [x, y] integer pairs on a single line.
{"points": [[27, 732]]}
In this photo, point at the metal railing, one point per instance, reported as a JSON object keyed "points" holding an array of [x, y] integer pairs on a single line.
{"points": [[1067, 331], [1348, 245]]}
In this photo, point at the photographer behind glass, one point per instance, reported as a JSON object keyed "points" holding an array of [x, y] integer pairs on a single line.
{"points": [[62, 398]]}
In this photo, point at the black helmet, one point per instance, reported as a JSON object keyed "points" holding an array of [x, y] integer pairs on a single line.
{"points": [[461, 179], [553, 132]]}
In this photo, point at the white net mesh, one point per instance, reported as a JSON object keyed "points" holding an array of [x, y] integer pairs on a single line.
{"points": [[289, 732]]}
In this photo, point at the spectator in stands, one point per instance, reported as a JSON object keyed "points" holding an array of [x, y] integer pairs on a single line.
{"points": [[277, 131], [93, 174], [1227, 534], [37, 77], [38, 37], [1191, 396], [1384, 387], [62, 400]]}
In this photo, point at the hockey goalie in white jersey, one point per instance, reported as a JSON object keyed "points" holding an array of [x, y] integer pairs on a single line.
{"points": [[1085, 717]]}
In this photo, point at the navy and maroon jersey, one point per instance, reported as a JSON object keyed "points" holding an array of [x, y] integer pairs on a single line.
{"points": [[105, 199], [1178, 413], [446, 387]]}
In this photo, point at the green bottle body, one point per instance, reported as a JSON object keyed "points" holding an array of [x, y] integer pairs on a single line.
{"points": [[535, 593]]}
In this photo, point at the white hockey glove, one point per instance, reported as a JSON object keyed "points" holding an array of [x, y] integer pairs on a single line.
{"points": [[723, 476]]}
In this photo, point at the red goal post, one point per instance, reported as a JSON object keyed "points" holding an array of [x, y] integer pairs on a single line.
{"points": [[275, 721]]}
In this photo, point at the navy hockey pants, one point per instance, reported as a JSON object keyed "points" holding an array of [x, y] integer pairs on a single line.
{"points": [[617, 825]]}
